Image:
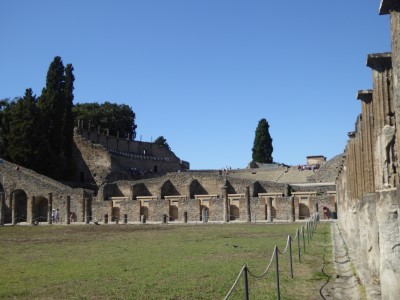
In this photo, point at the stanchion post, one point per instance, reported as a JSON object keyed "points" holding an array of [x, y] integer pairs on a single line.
{"points": [[246, 284], [291, 259], [278, 291], [304, 240], [298, 243]]}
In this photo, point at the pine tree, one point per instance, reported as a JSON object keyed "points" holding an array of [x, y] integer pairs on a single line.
{"points": [[162, 142], [4, 128], [52, 105], [27, 145], [262, 147]]}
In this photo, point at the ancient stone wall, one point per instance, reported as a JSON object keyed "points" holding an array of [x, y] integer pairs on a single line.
{"points": [[368, 185]]}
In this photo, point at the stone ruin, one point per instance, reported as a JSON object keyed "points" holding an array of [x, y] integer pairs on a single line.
{"points": [[368, 195]]}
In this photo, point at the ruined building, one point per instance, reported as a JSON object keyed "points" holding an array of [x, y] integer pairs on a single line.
{"points": [[368, 184]]}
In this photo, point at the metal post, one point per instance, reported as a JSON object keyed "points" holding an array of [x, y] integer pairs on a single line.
{"points": [[298, 243], [291, 259], [246, 284], [278, 291], [304, 240]]}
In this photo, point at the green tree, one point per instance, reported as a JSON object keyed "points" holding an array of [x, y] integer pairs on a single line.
{"points": [[27, 145], [162, 142], [69, 119], [4, 128], [262, 147], [111, 116], [52, 105]]}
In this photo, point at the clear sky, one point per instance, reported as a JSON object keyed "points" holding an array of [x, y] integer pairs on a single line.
{"points": [[202, 73]]}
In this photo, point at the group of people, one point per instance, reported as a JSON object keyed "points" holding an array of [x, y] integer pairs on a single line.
{"points": [[55, 215], [308, 167]]}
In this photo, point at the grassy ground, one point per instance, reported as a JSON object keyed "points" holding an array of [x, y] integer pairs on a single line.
{"points": [[156, 261]]}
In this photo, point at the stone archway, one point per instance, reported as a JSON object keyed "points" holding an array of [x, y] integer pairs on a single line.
{"points": [[41, 208], [20, 200]]}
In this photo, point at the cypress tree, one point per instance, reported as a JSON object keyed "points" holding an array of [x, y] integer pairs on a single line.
{"points": [[262, 147], [52, 105], [69, 119]]}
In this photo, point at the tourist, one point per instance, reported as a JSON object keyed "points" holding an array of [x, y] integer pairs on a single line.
{"points": [[325, 209], [57, 215]]}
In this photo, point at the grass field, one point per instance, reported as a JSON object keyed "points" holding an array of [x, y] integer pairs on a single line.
{"points": [[157, 261]]}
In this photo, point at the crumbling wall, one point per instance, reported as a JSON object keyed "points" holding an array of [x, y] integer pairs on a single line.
{"points": [[368, 184]]}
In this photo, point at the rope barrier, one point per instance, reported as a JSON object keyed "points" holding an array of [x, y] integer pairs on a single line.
{"points": [[310, 227], [265, 271], [235, 283]]}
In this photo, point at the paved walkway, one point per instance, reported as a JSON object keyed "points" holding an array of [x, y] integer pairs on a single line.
{"points": [[344, 284]]}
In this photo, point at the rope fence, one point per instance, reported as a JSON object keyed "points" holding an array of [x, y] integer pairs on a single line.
{"points": [[306, 232]]}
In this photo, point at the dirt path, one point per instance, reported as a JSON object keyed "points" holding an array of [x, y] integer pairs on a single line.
{"points": [[344, 284]]}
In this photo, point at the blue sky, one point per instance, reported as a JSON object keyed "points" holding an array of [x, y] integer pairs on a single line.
{"points": [[203, 73]]}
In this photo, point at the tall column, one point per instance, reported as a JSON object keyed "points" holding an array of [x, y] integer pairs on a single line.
{"points": [[68, 211], [269, 208], [292, 212], [2, 208], [13, 209], [367, 129], [188, 192], [384, 130], [392, 7], [88, 204], [224, 192], [110, 209], [247, 199], [32, 210], [49, 208]]}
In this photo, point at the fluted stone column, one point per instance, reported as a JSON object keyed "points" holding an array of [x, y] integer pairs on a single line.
{"points": [[247, 199], [13, 209], [384, 131], [110, 209], [32, 209], [224, 192], [188, 192], [88, 205], [68, 210], [2, 208], [392, 7], [49, 208], [367, 137], [269, 209], [292, 212]]}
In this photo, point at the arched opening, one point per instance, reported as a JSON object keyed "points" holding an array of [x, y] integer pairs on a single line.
{"points": [[21, 205], [41, 207]]}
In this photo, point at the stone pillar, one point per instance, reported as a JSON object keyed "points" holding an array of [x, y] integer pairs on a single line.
{"points": [[2, 208], [32, 210], [248, 209], [88, 205], [384, 130], [367, 130], [392, 7], [269, 208], [110, 209], [292, 212], [296, 208], [68, 211], [188, 192], [13, 210], [49, 208], [224, 192]]}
